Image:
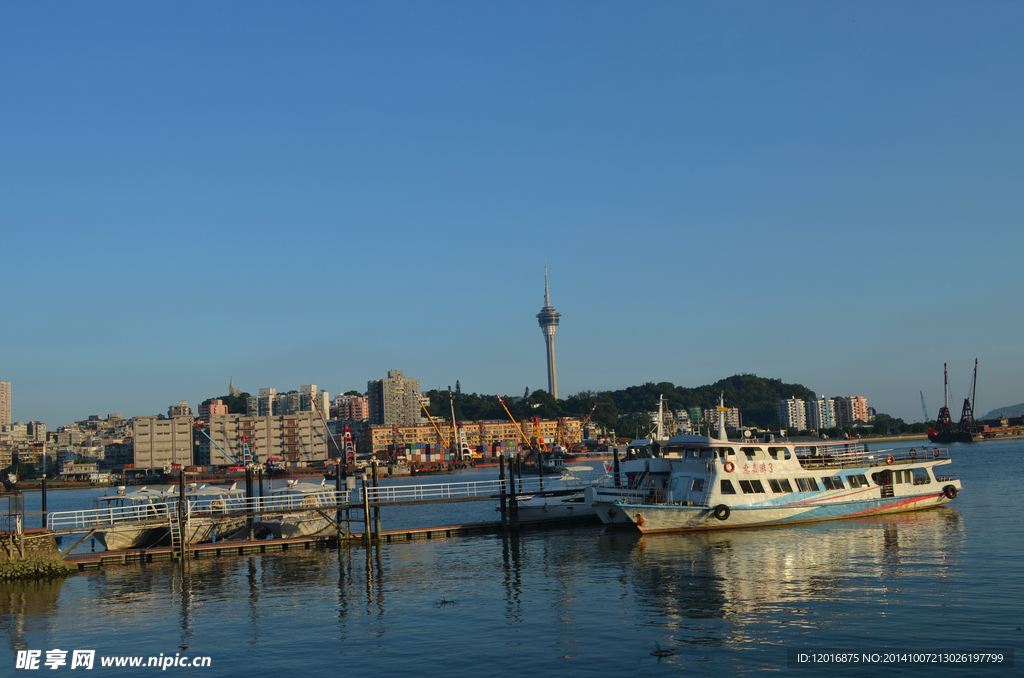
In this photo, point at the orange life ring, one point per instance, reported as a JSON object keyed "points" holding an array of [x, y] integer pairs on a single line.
{"points": [[913, 453], [935, 453], [890, 459], [639, 520], [729, 467]]}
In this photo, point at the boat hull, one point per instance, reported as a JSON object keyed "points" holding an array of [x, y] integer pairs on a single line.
{"points": [[130, 537], [671, 518], [571, 507], [298, 525]]}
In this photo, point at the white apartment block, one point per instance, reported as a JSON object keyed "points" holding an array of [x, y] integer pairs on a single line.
{"points": [[821, 413], [792, 414]]}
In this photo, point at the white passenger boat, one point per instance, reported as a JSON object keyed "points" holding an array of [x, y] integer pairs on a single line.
{"points": [[700, 483], [214, 512], [315, 501], [569, 502], [142, 517]]}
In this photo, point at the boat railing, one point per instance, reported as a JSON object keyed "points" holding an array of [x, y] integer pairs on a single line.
{"points": [[862, 456]]}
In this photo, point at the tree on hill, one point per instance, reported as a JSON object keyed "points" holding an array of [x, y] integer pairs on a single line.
{"points": [[237, 404]]}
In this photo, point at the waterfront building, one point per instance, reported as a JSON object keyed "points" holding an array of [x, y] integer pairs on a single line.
{"points": [[160, 443], [821, 413], [296, 439], [5, 403], [394, 400], [208, 409], [851, 409], [548, 320], [350, 408], [479, 434], [792, 413]]}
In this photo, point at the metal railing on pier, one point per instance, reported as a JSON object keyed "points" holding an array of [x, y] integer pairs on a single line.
{"points": [[86, 519]]}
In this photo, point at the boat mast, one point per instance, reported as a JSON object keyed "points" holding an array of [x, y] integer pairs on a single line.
{"points": [[721, 416]]}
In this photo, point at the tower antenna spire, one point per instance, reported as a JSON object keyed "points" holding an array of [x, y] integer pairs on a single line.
{"points": [[548, 320]]}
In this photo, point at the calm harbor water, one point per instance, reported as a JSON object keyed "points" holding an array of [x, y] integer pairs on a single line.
{"points": [[580, 601]]}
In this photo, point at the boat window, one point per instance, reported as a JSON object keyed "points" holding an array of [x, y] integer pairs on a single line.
{"points": [[774, 451], [921, 476], [832, 483], [784, 484], [775, 485], [857, 481], [806, 485], [752, 487], [724, 452], [698, 485], [727, 487], [753, 453], [707, 454], [882, 477]]}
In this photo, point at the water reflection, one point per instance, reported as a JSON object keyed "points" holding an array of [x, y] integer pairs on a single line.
{"points": [[27, 607], [737, 583]]}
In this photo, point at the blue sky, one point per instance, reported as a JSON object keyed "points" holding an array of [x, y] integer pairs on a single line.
{"points": [[825, 193]]}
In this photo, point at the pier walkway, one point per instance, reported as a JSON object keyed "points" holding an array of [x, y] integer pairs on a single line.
{"points": [[156, 514]]}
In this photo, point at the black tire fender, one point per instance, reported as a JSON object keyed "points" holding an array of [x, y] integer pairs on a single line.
{"points": [[722, 512], [950, 491]]}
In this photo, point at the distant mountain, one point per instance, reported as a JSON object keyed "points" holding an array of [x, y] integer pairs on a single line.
{"points": [[1008, 411]]}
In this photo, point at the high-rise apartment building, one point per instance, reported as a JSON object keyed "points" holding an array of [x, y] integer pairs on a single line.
{"points": [[5, 403], [351, 408], [266, 404], [851, 409], [732, 417], [821, 413], [394, 400], [180, 410], [792, 414], [207, 410]]}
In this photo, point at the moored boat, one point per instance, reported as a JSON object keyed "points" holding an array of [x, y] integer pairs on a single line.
{"points": [[137, 512], [564, 497], [701, 483], [314, 500]]}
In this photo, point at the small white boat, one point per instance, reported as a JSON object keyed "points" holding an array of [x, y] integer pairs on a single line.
{"points": [[317, 500], [214, 512], [569, 503], [142, 508]]}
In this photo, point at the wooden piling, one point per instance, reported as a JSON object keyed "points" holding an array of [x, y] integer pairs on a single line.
{"points": [[501, 491], [376, 509]]}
